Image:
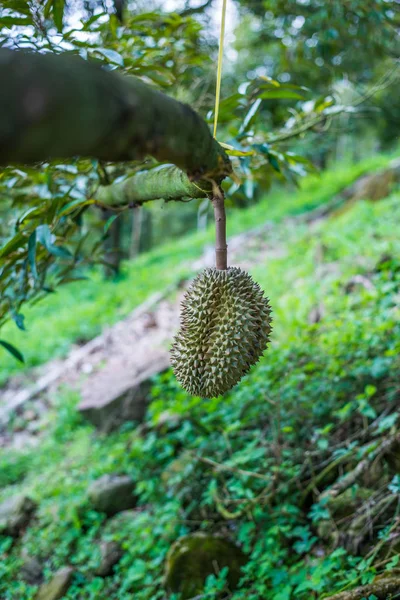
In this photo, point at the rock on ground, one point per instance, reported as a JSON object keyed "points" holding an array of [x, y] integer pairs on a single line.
{"points": [[31, 570], [118, 394], [194, 557], [110, 554], [58, 585], [112, 494], [15, 513]]}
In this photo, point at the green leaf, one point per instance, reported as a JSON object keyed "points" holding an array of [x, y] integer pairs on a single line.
{"points": [[19, 320], [32, 254], [143, 17], [92, 20], [393, 563], [47, 9], [232, 151], [387, 422], [370, 390], [12, 350], [270, 81], [285, 94], [44, 236], [30, 212], [21, 6], [72, 279], [109, 222], [71, 206], [160, 75], [274, 162], [111, 55], [16, 242], [58, 13], [250, 114], [262, 148], [10, 21]]}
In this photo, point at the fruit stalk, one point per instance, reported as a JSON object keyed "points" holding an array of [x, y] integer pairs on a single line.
{"points": [[221, 248]]}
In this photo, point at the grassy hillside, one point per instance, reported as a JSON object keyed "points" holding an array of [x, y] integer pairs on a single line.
{"points": [[79, 311], [259, 465]]}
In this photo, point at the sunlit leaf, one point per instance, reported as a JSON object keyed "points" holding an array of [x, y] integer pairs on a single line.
{"points": [[251, 114], [284, 94], [111, 55], [71, 206], [232, 151]]}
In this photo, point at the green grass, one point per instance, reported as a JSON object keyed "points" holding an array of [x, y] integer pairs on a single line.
{"points": [[80, 310], [321, 389]]}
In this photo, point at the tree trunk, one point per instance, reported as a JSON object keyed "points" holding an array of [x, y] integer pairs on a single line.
{"points": [[60, 106]]}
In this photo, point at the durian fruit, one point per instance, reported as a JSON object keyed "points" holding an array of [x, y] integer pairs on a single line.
{"points": [[225, 328]]}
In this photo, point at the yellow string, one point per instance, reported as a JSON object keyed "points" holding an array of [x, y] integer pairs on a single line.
{"points": [[219, 69]]}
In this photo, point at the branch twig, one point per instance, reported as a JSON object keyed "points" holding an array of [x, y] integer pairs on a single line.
{"points": [[223, 467], [380, 589], [385, 81], [350, 478]]}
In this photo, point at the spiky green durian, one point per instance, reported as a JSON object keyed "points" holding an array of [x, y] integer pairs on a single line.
{"points": [[225, 327]]}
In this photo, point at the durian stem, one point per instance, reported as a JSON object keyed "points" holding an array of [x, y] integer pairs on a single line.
{"points": [[221, 248]]}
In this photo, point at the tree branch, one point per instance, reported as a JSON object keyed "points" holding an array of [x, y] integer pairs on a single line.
{"points": [[387, 79], [382, 448], [60, 106], [162, 183], [381, 589]]}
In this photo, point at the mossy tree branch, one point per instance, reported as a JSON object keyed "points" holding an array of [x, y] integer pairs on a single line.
{"points": [[60, 106], [162, 183]]}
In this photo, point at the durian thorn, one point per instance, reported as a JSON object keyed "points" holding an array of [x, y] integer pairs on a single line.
{"points": [[221, 248]]}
